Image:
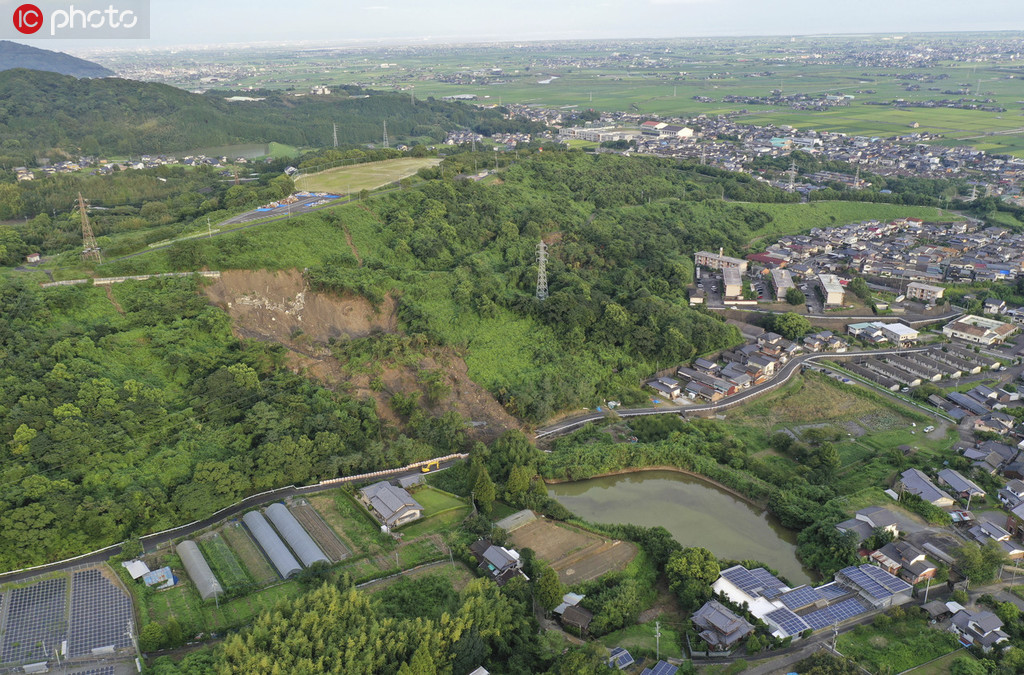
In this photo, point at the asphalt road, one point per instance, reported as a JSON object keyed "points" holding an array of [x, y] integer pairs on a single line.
{"points": [[151, 542], [787, 372]]}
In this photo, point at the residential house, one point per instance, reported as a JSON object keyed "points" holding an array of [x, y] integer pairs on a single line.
{"points": [[982, 628], [905, 561], [995, 306], [499, 563], [963, 487], [719, 627], [782, 280], [33, 258], [391, 505], [984, 531], [718, 261], [917, 483], [667, 387], [1013, 493], [732, 283], [867, 520], [919, 291]]}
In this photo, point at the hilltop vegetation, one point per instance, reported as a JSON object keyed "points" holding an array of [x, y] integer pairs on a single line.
{"points": [[45, 112]]}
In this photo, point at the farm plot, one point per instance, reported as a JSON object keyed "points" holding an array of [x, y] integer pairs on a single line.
{"points": [[260, 570], [576, 555], [223, 562], [324, 536]]}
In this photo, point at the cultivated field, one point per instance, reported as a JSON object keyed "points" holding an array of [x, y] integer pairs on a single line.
{"points": [[324, 536], [576, 555], [247, 550], [350, 179], [223, 562]]}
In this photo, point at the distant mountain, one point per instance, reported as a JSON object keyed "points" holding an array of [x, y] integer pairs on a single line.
{"points": [[15, 55]]}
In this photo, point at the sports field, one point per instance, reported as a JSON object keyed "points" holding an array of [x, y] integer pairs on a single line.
{"points": [[350, 179]]}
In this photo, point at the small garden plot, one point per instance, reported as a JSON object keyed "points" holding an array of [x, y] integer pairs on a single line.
{"points": [[223, 562], [324, 536], [575, 554]]}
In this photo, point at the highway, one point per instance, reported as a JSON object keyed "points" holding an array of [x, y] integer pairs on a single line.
{"points": [[787, 372]]}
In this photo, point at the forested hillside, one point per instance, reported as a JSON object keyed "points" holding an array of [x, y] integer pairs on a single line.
{"points": [[126, 414], [44, 111]]}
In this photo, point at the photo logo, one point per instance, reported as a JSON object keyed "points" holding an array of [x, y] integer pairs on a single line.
{"points": [[87, 19], [28, 19]]}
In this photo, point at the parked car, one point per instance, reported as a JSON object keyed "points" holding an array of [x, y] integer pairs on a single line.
{"points": [[929, 429]]}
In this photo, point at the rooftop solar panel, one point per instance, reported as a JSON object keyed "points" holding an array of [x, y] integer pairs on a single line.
{"points": [[787, 621], [832, 591], [755, 583], [800, 597]]}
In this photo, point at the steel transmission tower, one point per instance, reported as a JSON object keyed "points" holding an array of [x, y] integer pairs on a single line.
{"points": [[542, 271], [90, 250], [386, 134], [792, 175], [335, 134]]}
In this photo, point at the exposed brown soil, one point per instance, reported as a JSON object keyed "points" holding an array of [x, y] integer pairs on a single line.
{"points": [[280, 307]]}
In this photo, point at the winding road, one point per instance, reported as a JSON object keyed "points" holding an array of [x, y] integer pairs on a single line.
{"points": [[787, 372]]}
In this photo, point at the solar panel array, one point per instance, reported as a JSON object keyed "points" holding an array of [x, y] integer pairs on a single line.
{"points": [[755, 583], [100, 613], [831, 591], [788, 622], [36, 623], [661, 668], [800, 597], [875, 581], [104, 670], [837, 613]]}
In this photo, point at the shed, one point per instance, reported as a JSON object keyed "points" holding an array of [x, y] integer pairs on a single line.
{"points": [[577, 617], [296, 536], [197, 569], [136, 568], [279, 555], [937, 610]]}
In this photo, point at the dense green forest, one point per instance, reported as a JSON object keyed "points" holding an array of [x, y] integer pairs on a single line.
{"points": [[40, 112], [122, 419]]}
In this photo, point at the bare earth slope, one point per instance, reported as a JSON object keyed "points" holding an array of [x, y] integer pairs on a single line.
{"points": [[280, 307]]}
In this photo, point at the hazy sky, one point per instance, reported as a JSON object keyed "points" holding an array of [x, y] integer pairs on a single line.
{"points": [[181, 22]]}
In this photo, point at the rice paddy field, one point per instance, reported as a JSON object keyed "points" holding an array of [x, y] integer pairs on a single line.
{"points": [[692, 77]]}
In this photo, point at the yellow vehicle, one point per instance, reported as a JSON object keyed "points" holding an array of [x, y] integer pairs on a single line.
{"points": [[430, 466]]}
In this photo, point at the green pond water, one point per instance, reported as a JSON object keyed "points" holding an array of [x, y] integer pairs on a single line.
{"points": [[695, 512]]}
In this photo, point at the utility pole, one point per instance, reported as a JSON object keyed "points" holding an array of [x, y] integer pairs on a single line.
{"points": [[335, 134], [90, 250], [209, 228], [927, 586], [542, 272], [657, 640]]}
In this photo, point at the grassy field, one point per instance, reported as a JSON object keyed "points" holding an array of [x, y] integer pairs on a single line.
{"points": [[641, 638], [246, 549], [901, 644], [351, 179], [942, 666]]}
